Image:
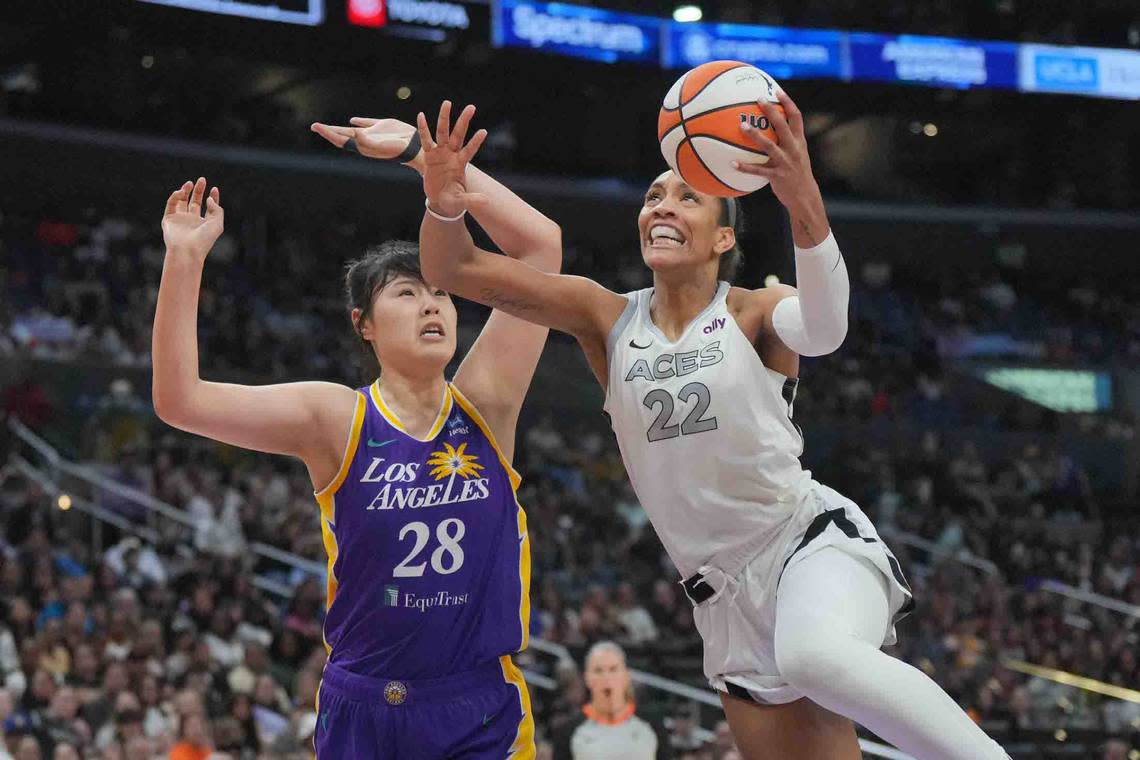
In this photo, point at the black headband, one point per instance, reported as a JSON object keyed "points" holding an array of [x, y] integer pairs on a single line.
{"points": [[730, 205]]}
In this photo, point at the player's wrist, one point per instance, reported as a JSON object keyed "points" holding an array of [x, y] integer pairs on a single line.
{"points": [[443, 212], [807, 200]]}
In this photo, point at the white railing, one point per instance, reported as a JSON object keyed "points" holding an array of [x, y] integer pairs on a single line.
{"points": [[1090, 597], [98, 480], [984, 565], [961, 557]]}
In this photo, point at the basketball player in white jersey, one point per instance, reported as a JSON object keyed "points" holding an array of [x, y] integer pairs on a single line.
{"points": [[794, 591]]}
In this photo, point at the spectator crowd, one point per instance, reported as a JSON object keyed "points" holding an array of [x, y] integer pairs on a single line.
{"points": [[170, 647]]}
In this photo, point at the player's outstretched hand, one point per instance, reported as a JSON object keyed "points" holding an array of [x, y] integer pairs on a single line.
{"points": [[184, 229], [788, 168], [384, 139], [446, 156]]}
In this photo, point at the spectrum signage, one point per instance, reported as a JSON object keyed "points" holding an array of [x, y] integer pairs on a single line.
{"points": [[601, 35], [577, 31]]}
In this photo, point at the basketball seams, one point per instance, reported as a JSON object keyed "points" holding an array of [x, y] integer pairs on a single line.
{"points": [[705, 166], [708, 84], [718, 109], [722, 141], [683, 101]]}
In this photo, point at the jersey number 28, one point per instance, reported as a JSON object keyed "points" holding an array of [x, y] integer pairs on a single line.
{"points": [[447, 557]]}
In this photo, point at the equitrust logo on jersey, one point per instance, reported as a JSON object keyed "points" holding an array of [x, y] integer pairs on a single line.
{"points": [[422, 602], [456, 472]]}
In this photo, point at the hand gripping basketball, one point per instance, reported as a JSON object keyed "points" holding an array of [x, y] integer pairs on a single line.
{"points": [[788, 168], [445, 161]]}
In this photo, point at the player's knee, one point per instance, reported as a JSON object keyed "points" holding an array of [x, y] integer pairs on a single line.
{"points": [[810, 661]]}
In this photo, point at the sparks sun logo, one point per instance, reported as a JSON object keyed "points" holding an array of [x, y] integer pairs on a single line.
{"points": [[453, 461]]}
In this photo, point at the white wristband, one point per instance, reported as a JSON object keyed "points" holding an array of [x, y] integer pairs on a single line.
{"points": [[441, 217]]}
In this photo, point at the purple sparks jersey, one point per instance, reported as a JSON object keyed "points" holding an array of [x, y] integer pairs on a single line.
{"points": [[429, 561]]}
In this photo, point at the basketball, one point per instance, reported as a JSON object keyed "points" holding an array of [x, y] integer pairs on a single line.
{"points": [[699, 126]]}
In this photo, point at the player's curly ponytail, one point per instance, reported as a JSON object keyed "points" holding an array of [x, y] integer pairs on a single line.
{"points": [[731, 215]]}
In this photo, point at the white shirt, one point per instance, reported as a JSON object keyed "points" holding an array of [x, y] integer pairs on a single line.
{"points": [[706, 434]]}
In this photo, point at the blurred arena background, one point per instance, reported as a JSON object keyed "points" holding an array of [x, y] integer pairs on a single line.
{"points": [[981, 163]]}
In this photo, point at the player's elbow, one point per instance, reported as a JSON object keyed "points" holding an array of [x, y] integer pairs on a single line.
{"points": [[812, 350], [549, 258], [442, 271], [164, 407], [809, 331], [171, 405], [827, 339], [436, 271]]}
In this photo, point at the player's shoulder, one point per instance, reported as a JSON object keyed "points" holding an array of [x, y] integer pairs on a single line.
{"points": [[331, 406], [330, 398], [745, 298], [752, 308]]}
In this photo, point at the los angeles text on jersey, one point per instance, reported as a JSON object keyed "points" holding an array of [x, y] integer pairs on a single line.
{"points": [[676, 365], [449, 464]]}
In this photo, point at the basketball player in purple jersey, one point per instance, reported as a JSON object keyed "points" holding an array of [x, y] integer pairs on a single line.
{"points": [[428, 556]]}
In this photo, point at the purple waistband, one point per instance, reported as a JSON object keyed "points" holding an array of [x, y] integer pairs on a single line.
{"points": [[396, 691]]}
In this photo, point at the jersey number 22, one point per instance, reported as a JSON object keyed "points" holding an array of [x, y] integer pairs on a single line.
{"points": [[694, 422]]}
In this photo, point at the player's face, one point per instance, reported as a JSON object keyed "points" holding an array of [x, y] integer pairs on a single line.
{"points": [[411, 325], [680, 226], [607, 679]]}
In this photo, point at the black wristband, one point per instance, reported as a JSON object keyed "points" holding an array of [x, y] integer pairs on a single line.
{"points": [[411, 151], [407, 155]]}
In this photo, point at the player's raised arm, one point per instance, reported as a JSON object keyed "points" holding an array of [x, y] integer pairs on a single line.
{"points": [[307, 420], [451, 259], [812, 320], [516, 227]]}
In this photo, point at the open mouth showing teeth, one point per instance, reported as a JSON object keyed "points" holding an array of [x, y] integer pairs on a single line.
{"points": [[432, 330], [667, 236]]}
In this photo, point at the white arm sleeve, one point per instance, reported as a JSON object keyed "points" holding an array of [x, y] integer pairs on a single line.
{"points": [[814, 322]]}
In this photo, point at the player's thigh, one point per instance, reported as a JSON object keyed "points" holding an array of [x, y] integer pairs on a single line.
{"points": [[349, 727], [800, 730]]}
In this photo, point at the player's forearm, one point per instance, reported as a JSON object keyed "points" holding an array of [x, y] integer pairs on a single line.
{"points": [[174, 338], [809, 218], [446, 248], [518, 229]]}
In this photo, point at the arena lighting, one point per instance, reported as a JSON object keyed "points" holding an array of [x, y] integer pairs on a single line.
{"points": [[64, 502], [404, 93], [687, 13], [771, 280], [930, 130], [1071, 679]]}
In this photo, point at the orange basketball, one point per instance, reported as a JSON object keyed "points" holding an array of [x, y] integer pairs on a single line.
{"points": [[699, 126]]}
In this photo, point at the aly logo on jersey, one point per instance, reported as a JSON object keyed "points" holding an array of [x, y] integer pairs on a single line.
{"points": [[450, 463]]}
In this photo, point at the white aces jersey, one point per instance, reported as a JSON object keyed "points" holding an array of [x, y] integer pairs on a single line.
{"points": [[706, 434]]}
